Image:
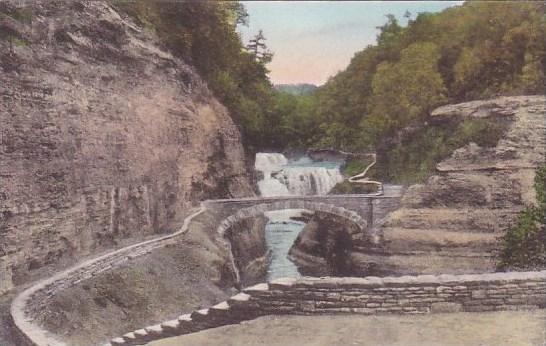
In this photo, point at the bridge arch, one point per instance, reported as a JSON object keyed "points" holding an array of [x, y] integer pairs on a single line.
{"points": [[261, 208]]}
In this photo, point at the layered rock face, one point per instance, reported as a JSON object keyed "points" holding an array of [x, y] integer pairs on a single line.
{"points": [[453, 222], [250, 254], [325, 245], [104, 137]]}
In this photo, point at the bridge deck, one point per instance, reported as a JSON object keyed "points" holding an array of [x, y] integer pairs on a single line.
{"points": [[389, 191], [364, 209]]}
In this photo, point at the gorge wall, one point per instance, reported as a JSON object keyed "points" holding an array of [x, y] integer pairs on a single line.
{"points": [[324, 246], [454, 221], [249, 249], [105, 137]]}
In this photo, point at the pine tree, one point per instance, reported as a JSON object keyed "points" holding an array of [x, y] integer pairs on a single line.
{"points": [[258, 48]]}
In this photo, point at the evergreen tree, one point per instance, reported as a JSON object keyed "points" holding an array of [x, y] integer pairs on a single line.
{"points": [[257, 47]]}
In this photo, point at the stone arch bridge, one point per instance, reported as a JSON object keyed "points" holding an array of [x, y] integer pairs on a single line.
{"points": [[365, 210]]}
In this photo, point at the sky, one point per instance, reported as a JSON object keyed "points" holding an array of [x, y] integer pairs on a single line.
{"points": [[313, 40]]}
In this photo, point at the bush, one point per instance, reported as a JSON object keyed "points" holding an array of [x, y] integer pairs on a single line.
{"points": [[414, 157], [354, 167], [524, 245]]}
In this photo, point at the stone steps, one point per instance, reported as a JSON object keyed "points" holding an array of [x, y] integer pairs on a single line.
{"points": [[474, 220], [238, 308], [366, 295]]}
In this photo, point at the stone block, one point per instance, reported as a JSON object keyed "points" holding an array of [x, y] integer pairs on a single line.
{"points": [[479, 294], [186, 318], [307, 306], [479, 308], [445, 307], [141, 336], [129, 337], [154, 330], [256, 288], [118, 341], [333, 296], [200, 315], [282, 283], [364, 311], [239, 298], [171, 327]]}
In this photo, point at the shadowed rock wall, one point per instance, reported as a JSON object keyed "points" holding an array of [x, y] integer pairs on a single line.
{"points": [[104, 137]]}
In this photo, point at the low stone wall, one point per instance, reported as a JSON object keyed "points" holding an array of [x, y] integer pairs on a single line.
{"points": [[371, 295]]}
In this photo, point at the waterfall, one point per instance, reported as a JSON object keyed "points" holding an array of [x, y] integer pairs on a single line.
{"points": [[282, 177], [269, 164], [302, 177], [269, 161], [309, 180]]}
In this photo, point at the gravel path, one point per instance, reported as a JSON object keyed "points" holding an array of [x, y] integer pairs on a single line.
{"points": [[510, 328]]}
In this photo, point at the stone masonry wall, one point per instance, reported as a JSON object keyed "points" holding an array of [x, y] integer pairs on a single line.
{"points": [[365, 210], [35, 297], [371, 295]]}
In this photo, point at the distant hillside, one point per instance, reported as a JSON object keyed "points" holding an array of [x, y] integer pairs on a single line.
{"points": [[383, 99], [296, 89]]}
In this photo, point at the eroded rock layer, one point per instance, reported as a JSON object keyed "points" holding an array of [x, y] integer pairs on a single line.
{"points": [[325, 245], [453, 222], [248, 246], [104, 137]]}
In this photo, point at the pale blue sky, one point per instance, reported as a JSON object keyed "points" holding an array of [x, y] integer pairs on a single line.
{"points": [[312, 40]]}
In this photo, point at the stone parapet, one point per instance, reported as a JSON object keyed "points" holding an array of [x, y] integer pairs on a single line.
{"points": [[32, 299], [370, 295]]}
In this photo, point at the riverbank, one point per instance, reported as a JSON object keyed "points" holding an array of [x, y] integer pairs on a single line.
{"points": [[510, 328]]}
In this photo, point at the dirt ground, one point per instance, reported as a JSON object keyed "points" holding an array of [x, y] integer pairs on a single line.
{"points": [[172, 280], [510, 328]]}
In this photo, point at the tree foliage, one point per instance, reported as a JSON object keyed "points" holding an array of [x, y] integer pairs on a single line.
{"points": [[204, 34], [474, 51], [524, 245], [477, 50]]}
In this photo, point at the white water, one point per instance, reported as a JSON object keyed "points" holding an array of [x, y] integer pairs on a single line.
{"points": [[268, 164], [296, 178], [282, 177]]}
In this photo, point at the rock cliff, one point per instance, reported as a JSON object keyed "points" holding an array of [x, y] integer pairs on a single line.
{"points": [[105, 137], [250, 253], [453, 222], [325, 245]]}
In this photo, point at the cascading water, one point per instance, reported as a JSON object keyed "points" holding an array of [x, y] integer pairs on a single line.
{"points": [[269, 164], [301, 177], [284, 178]]}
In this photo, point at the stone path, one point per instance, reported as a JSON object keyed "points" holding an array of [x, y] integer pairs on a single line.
{"points": [[34, 296]]}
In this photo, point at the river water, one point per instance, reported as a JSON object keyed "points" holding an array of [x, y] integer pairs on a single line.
{"points": [[283, 177]]}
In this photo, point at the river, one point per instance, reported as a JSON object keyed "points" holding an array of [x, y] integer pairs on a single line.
{"points": [[284, 177]]}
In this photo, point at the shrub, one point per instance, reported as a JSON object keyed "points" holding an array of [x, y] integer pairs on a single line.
{"points": [[524, 245]]}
